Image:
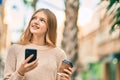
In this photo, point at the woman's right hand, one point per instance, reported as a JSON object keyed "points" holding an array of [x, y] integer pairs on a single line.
{"points": [[25, 66]]}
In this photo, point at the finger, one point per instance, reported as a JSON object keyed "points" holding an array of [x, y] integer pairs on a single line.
{"points": [[63, 78], [26, 61], [70, 69], [32, 63], [59, 74], [63, 75], [67, 72], [32, 67]]}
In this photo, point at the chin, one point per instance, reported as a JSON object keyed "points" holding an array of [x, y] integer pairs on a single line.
{"points": [[33, 31]]}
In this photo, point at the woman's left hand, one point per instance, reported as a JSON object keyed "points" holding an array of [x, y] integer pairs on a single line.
{"points": [[66, 75]]}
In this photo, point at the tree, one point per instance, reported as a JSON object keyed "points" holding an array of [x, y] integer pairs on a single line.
{"points": [[31, 3], [115, 4], [70, 39]]}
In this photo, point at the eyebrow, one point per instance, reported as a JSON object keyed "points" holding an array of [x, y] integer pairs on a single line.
{"points": [[40, 17], [43, 18]]}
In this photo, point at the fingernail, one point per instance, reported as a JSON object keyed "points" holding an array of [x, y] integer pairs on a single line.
{"points": [[59, 73], [31, 54]]}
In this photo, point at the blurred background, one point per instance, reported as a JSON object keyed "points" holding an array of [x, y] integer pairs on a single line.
{"points": [[88, 31]]}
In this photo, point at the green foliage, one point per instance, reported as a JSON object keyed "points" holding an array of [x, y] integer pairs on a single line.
{"points": [[28, 1], [116, 16], [31, 3], [111, 3], [118, 13], [113, 26], [95, 72]]}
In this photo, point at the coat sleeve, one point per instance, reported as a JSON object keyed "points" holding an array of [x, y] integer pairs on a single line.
{"points": [[10, 72]]}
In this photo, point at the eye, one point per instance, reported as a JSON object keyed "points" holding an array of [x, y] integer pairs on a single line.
{"points": [[42, 20], [33, 18]]}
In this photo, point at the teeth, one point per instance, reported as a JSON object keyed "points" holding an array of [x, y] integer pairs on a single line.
{"points": [[35, 27]]}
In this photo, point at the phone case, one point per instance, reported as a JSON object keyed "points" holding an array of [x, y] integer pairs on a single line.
{"points": [[29, 52]]}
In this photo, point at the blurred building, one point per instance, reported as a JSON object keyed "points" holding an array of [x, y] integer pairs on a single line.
{"points": [[109, 48], [99, 50], [3, 32], [99, 47]]}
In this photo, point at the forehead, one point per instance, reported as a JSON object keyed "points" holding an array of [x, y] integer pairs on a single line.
{"points": [[41, 14]]}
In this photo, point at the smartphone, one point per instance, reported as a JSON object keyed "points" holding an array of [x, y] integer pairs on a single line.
{"points": [[29, 52], [65, 65]]}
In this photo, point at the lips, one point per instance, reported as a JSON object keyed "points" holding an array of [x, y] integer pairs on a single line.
{"points": [[35, 27]]}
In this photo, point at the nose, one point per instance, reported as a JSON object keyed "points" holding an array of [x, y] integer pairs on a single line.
{"points": [[36, 21]]}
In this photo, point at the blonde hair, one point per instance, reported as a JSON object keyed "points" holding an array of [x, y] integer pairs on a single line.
{"points": [[51, 34]]}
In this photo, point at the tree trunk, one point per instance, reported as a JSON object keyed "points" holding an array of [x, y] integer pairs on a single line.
{"points": [[70, 38], [29, 3], [34, 4]]}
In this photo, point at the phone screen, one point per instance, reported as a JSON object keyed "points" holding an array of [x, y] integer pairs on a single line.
{"points": [[29, 52]]}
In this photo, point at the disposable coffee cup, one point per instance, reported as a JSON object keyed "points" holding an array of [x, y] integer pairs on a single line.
{"points": [[65, 65]]}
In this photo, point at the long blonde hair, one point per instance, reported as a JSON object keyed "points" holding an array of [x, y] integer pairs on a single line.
{"points": [[51, 34]]}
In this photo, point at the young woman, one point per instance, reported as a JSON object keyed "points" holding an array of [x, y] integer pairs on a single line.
{"points": [[40, 35]]}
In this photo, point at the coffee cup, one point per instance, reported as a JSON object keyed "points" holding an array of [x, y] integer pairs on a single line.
{"points": [[65, 65]]}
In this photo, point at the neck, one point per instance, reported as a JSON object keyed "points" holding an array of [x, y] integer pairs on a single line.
{"points": [[38, 40]]}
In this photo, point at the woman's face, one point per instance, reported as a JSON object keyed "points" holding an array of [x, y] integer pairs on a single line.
{"points": [[38, 25]]}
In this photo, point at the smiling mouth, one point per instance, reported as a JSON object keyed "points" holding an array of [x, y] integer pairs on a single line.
{"points": [[35, 27]]}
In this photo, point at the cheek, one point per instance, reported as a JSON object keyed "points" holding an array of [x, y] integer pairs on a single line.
{"points": [[30, 26], [44, 28]]}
